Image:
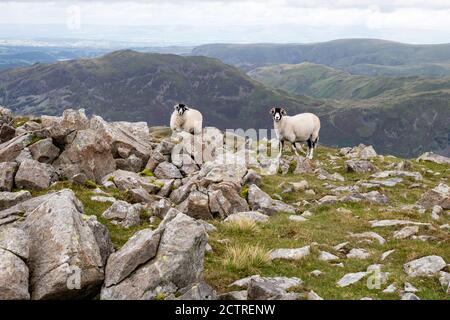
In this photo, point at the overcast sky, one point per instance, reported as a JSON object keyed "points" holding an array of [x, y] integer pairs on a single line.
{"points": [[415, 21]]}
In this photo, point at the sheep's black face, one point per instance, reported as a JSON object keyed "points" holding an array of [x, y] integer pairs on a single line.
{"points": [[277, 113], [181, 108]]}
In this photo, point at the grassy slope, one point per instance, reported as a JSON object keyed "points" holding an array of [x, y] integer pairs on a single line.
{"points": [[328, 227], [361, 56]]}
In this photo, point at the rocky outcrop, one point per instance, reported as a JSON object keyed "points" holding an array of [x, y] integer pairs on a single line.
{"points": [[360, 166], [426, 266], [9, 199], [11, 149], [123, 214], [44, 151], [35, 175], [127, 180], [438, 196], [88, 153], [64, 259], [433, 157], [178, 262]]}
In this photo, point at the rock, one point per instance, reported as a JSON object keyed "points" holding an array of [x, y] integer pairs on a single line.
{"points": [[131, 136], [101, 235], [433, 157], [139, 195], [409, 288], [358, 253], [409, 296], [316, 273], [159, 208], [360, 166], [140, 248], [178, 263], [326, 256], [390, 223], [234, 295], [224, 199], [127, 180], [251, 178], [249, 215], [7, 132], [406, 232], [166, 170], [304, 165], [264, 290], [439, 196], [444, 280], [88, 153], [351, 278], [311, 295], [310, 192], [284, 283], [297, 218], [179, 195], [6, 115], [131, 163], [386, 174], [196, 205], [390, 289], [35, 175], [155, 159], [13, 277], [328, 199], [198, 291], [123, 214], [361, 151], [290, 254], [16, 241], [425, 266], [103, 199], [9, 150], [59, 128], [368, 235], [166, 189], [7, 172], [436, 212], [372, 197], [44, 151], [215, 172], [387, 182], [261, 201], [9, 199], [25, 154], [64, 253]]}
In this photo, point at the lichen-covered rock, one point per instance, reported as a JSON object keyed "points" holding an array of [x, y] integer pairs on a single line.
{"points": [[131, 163], [177, 264], [44, 151], [261, 201], [127, 180], [9, 150], [35, 175], [64, 260], [196, 205], [9, 199], [7, 172], [102, 237], [166, 170], [59, 128], [88, 154], [425, 266], [13, 277], [124, 214], [440, 196], [360, 166]]}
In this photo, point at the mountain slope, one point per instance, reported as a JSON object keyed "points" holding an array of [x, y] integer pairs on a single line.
{"points": [[325, 82], [129, 85], [359, 56]]}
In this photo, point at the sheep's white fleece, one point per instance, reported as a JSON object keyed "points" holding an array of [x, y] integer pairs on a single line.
{"points": [[191, 121], [298, 128]]}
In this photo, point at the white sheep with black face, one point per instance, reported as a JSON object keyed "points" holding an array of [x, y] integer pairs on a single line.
{"points": [[186, 119], [301, 128]]}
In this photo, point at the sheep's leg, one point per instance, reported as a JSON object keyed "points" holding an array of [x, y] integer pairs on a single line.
{"points": [[280, 146], [294, 147], [301, 147], [310, 149]]}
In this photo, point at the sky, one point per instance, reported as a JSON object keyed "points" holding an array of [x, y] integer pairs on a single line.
{"points": [[201, 21]]}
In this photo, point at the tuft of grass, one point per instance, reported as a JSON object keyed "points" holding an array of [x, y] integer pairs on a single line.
{"points": [[241, 225], [245, 257], [90, 184], [244, 192]]}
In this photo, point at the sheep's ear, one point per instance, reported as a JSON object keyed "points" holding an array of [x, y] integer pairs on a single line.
{"points": [[283, 112], [272, 111]]}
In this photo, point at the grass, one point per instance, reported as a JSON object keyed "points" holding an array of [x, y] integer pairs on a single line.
{"points": [[242, 254]]}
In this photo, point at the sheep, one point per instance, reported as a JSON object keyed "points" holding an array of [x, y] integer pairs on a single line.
{"points": [[186, 119], [303, 127]]}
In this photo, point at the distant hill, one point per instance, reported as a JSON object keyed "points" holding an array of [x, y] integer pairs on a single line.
{"points": [[133, 86], [129, 85], [325, 82], [358, 56]]}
